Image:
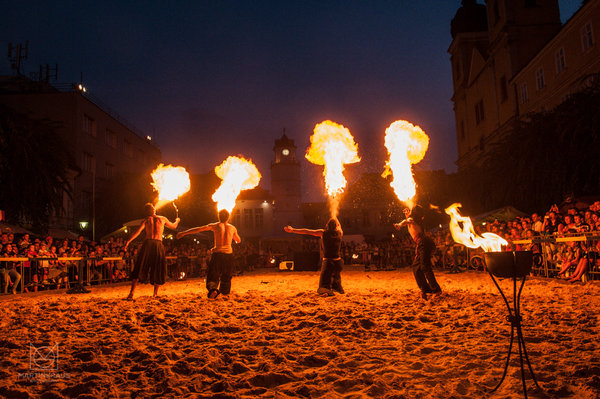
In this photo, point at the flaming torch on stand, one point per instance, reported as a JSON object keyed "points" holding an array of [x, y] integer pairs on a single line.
{"points": [[463, 232], [171, 182], [406, 145], [332, 145], [237, 174]]}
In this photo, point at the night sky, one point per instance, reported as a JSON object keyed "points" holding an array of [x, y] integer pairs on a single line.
{"points": [[207, 79]]}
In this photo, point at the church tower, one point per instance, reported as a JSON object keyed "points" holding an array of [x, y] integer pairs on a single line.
{"points": [[286, 185]]}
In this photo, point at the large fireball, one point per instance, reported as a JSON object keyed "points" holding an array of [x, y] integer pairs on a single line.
{"points": [[237, 174], [406, 145]]}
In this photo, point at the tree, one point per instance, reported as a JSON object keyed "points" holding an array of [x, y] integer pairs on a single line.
{"points": [[547, 156], [34, 161]]}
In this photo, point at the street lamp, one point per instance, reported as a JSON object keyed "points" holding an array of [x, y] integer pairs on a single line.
{"points": [[83, 225]]}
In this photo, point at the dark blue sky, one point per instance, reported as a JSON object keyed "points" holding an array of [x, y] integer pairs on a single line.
{"points": [[207, 79]]}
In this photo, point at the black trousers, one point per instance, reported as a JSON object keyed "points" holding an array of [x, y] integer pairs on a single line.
{"points": [[422, 266], [218, 275], [331, 274]]}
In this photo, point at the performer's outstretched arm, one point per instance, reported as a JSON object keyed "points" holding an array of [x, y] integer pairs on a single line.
{"points": [[308, 232], [194, 230]]}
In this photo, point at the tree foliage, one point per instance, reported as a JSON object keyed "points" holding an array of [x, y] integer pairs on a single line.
{"points": [[548, 156]]}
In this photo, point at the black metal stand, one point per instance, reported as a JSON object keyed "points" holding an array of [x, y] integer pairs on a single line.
{"points": [[515, 322]]}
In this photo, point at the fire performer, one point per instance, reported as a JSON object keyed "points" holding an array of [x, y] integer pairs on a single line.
{"points": [[150, 264], [422, 264], [220, 267], [331, 241]]}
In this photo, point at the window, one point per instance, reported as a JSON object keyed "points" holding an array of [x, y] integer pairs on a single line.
{"points": [[88, 163], [524, 95], [539, 78], [258, 218], [128, 148], [109, 170], [479, 114], [248, 218], [236, 217], [530, 3], [503, 89], [111, 138], [89, 125], [457, 69], [559, 58], [587, 37]]}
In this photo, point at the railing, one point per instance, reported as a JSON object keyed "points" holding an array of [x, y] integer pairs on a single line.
{"points": [[459, 258], [85, 270]]}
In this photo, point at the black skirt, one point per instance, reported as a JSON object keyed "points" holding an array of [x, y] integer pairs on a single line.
{"points": [[150, 264]]}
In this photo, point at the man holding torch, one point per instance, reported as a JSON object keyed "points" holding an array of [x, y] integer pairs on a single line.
{"points": [[220, 267], [422, 264], [150, 264]]}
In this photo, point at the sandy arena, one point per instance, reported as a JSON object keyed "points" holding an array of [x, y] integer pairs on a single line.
{"points": [[276, 338]]}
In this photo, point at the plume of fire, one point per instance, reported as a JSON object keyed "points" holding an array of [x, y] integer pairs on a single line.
{"points": [[406, 145], [171, 182], [237, 174], [463, 232], [332, 145]]}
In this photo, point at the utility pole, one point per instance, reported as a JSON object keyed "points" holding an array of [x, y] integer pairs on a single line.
{"points": [[16, 55]]}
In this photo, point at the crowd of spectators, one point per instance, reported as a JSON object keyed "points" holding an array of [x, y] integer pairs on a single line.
{"points": [[53, 263]]}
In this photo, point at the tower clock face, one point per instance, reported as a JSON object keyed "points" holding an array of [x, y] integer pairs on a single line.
{"points": [[285, 152]]}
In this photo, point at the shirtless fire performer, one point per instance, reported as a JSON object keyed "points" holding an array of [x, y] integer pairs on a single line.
{"points": [[422, 264], [220, 267], [150, 264]]}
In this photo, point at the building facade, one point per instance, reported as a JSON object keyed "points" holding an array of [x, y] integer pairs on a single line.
{"points": [[102, 143], [512, 57], [286, 185]]}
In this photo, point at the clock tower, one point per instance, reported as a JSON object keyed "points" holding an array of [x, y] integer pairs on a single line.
{"points": [[286, 185]]}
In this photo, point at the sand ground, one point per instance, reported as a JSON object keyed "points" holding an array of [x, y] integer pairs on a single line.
{"points": [[274, 337]]}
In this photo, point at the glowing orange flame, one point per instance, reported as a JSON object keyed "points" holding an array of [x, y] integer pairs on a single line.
{"points": [[466, 235], [332, 145], [237, 174], [171, 182], [406, 145]]}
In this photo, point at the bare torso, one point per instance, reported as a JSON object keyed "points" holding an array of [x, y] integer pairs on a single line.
{"points": [[224, 234], [154, 227], [414, 229]]}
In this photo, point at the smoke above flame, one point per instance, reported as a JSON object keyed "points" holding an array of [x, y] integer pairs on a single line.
{"points": [[406, 145], [171, 182], [237, 174], [332, 145], [463, 232]]}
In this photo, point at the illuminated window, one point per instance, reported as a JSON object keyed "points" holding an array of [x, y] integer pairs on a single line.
{"points": [[539, 78], [587, 37], [559, 57], [89, 125]]}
